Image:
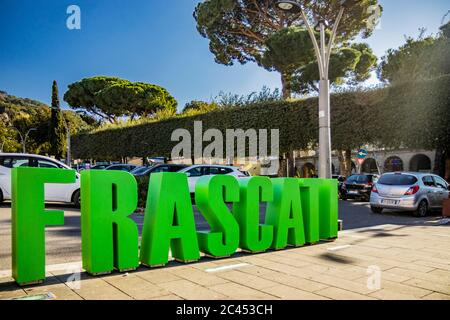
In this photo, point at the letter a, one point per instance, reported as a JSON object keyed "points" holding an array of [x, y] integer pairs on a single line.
{"points": [[169, 221]]}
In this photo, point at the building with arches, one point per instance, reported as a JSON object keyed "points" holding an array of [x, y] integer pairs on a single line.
{"points": [[377, 162]]}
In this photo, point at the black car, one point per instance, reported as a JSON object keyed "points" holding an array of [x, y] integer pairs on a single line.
{"points": [[121, 167], [146, 171], [341, 180], [358, 186]]}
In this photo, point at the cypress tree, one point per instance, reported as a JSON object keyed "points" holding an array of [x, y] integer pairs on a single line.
{"points": [[57, 126]]}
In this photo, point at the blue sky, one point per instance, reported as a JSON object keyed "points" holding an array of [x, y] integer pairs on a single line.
{"points": [[150, 41]]}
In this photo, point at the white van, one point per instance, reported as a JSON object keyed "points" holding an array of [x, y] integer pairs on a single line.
{"points": [[54, 192]]}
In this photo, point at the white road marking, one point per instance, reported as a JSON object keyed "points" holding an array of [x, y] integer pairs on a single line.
{"points": [[339, 248], [71, 266], [229, 267]]}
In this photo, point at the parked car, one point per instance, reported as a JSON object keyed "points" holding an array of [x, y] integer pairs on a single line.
{"points": [[121, 167], [54, 192], [195, 172], [341, 180], [358, 186], [409, 191], [146, 171]]}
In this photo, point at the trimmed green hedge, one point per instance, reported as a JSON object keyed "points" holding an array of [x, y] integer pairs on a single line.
{"points": [[414, 115]]}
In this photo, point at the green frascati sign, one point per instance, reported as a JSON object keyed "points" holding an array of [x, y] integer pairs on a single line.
{"points": [[299, 212]]}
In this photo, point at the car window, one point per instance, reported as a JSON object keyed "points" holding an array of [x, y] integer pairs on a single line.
{"points": [[47, 164], [440, 182], [397, 180], [196, 172], [428, 181], [358, 179], [175, 168], [219, 170], [161, 169], [14, 162]]}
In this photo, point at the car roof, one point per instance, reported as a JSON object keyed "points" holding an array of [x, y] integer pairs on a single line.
{"points": [[416, 174], [32, 156], [210, 165]]}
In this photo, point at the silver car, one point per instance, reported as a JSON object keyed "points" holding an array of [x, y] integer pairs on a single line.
{"points": [[409, 191]]}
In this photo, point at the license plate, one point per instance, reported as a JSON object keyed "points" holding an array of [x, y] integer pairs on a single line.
{"points": [[389, 202], [353, 192]]}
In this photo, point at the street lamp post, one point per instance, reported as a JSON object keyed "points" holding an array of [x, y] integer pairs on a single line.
{"points": [[24, 138], [323, 54]]}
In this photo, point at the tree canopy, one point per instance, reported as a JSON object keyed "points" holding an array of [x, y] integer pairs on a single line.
{"points": [[110, 98], [24, 114], [421, 58], [239, 30]]}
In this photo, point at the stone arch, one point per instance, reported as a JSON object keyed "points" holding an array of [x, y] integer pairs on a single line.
{"points": [[369, 166], [420, 163], [393, 164], [308, 170]]}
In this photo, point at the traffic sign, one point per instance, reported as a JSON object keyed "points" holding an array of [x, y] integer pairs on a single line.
{"points": [[362, 154]]}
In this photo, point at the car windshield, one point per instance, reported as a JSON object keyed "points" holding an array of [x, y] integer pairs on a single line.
{"points": [[397, 180], [358, 179], [140, 170]]}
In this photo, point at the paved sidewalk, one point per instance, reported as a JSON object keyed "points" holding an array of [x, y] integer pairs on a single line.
{"points": [[383, 262]]}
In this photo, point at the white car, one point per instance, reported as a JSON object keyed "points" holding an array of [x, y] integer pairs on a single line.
{"points": [[196, 171], [54, 192]]}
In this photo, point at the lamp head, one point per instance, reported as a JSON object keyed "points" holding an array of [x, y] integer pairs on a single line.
{"points": [[289, 6]]}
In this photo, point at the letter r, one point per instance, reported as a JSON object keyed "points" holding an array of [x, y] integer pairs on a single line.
{"points": [[109, 237]]}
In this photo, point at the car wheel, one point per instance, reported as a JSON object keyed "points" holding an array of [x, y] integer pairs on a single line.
{"points": [[376, 209], [1, 196], [422, 209], [76, 199]]}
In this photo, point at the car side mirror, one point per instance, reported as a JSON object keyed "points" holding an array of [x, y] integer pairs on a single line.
{"points": [[188, 174]]}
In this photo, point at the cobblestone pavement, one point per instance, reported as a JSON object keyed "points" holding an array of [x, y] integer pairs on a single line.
{"points": [[381, 262]]}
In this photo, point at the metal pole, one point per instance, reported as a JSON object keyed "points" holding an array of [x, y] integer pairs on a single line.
{"points": [[324, 115], [69, 155]]}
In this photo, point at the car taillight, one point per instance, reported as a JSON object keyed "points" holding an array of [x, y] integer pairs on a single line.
{"points": [[412, 190], [374, 189]]}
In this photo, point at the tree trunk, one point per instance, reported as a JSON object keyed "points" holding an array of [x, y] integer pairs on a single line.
{"points": [[286, 79], [290, 163], [345, 162]]}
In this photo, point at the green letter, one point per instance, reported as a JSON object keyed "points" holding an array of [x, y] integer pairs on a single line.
{"points": [[211, 193], [254, 237], [328, 205], [309, 190], [109, 237], [169, 221], [29, 219], [285, 214]]}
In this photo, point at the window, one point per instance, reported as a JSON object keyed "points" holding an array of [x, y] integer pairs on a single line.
{"points": [[196, 172], [47, 164], [358, 179], [14, 162], [428, 181], [440, 183], [397, 180], [161, 169], [174, 168], [219, 170]]}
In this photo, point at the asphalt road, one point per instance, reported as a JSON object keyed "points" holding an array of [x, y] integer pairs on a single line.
{"points": [[63, 243]]}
